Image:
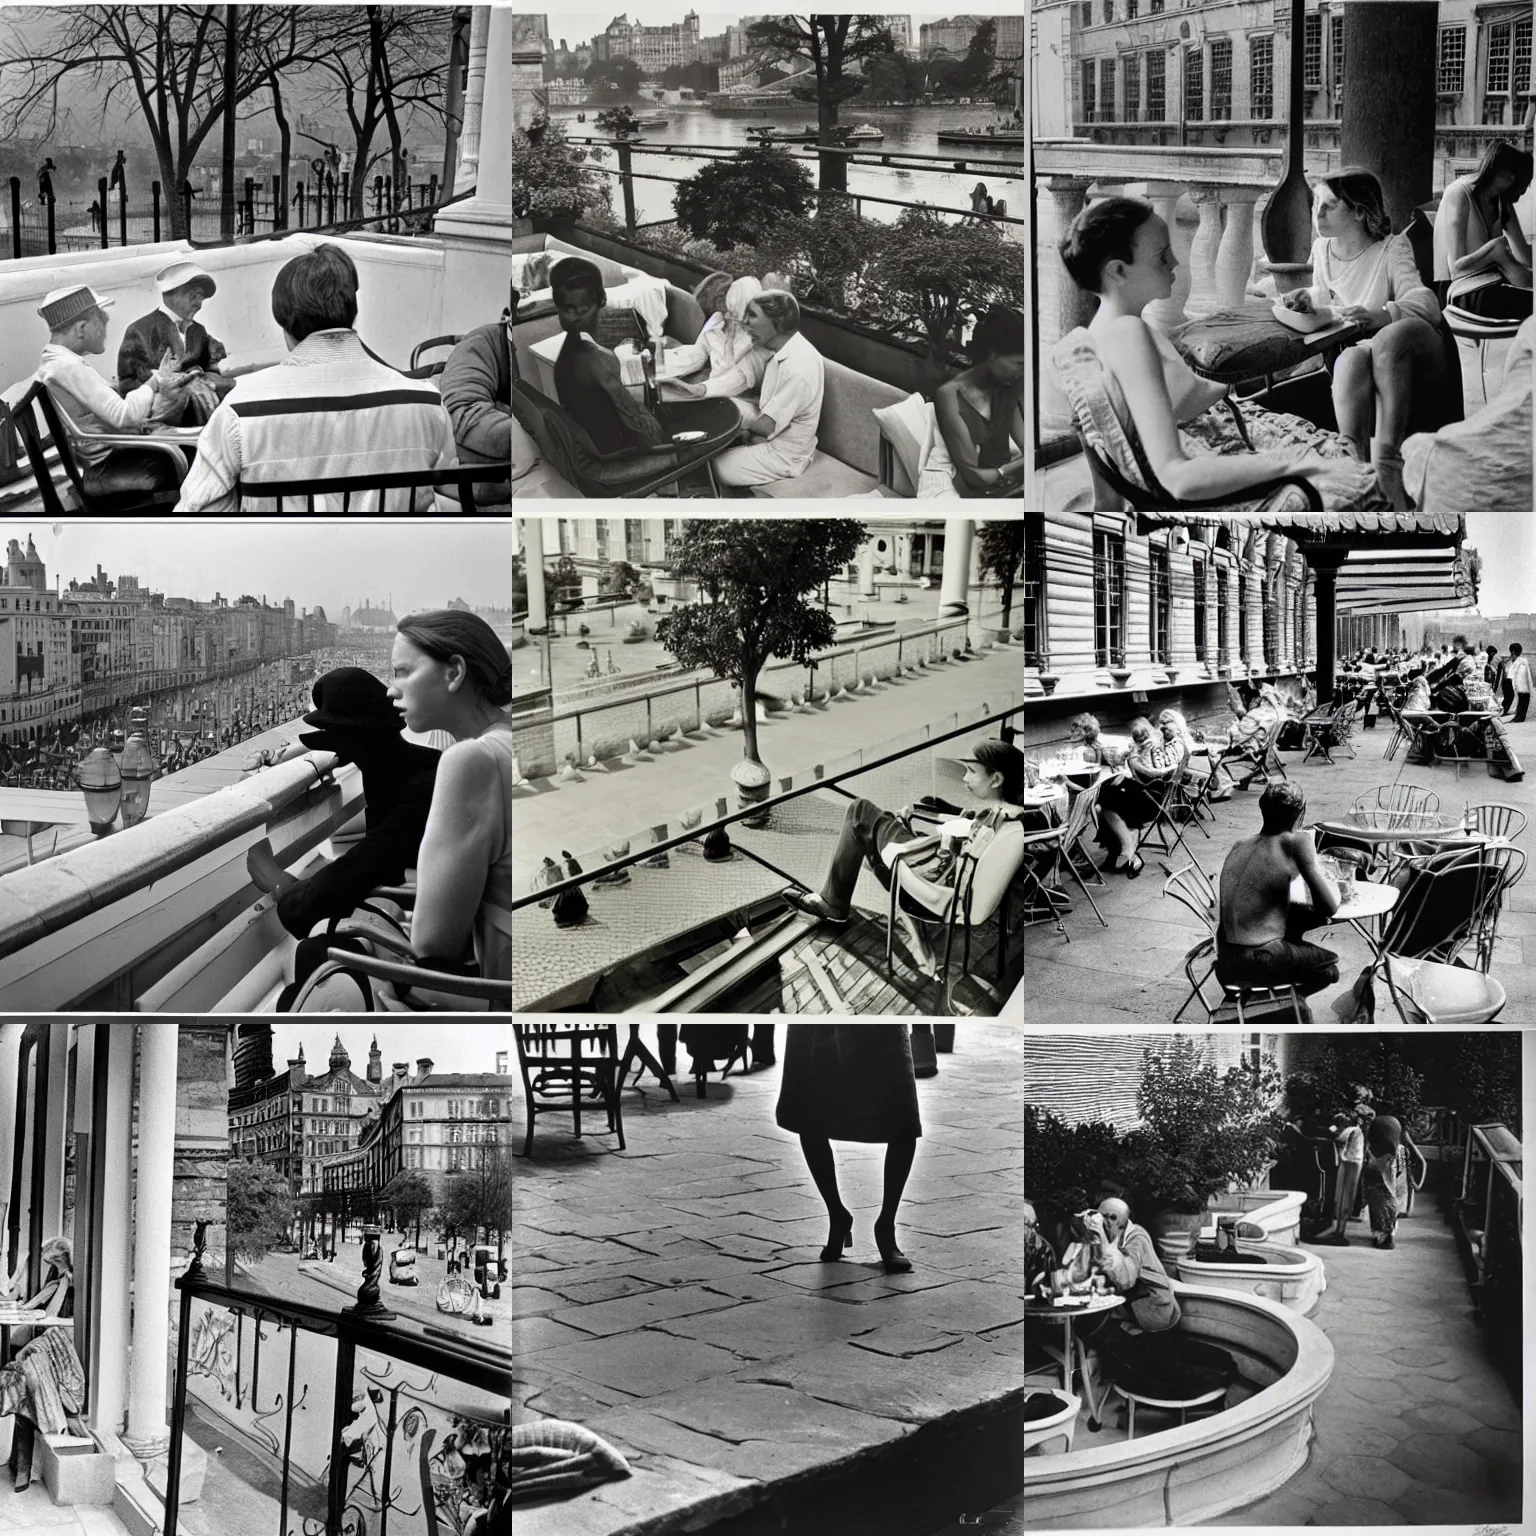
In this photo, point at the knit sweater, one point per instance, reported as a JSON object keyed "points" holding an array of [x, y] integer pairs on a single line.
{"points": [[327, 409], [91, 403], [1383, 276]]}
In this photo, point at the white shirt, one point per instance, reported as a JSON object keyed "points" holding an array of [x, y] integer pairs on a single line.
{"points": [[1520, 674], [793, 382], [92, 404], [1383, 276]]}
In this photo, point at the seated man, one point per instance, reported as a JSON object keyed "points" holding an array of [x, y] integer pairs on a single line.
{"points": [[790, 376], [1259, 939], [328, 409], [354, 718], [1039, 1256], [994, 775], [77, 326], [588, 381], [477, 390], [174, 330]]}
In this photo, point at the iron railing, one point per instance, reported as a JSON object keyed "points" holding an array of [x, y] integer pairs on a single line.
{"points": [[380, 1420]]}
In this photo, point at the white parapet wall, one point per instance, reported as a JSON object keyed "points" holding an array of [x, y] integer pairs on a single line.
{"points": [[1292, 1276]]}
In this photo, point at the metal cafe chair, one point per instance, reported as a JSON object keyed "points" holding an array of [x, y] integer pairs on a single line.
{"points": [[1258, 751], [1061, 843], [1192, 888], [1493, 820], [1168, 796], [1323, 735], [1397, 797], [567, 1068]]}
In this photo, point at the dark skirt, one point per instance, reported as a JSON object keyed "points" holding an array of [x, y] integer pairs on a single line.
{"points": [[1129, 799], [849, 1082]]}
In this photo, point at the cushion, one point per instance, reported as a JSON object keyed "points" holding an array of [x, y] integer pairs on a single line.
{"points": [[1241, 343], [906, 426], [824, 476], [531, 272], [1081, 375]]}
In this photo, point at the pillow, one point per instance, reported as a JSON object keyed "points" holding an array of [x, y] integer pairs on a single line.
{"points": [[531, 272], [1240, 343], [907, 426]]}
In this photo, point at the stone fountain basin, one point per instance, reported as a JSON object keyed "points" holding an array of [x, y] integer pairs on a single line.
{"points": [[1277, 1211], [1197, 1471], [1292, 1276]]}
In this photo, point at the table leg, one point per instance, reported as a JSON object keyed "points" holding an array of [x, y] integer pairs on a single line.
{"points": [[1066, 1359], [636, 1051]]}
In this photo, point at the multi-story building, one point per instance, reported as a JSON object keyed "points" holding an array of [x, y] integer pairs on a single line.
{"points": [[293, 1120], [436, 1124], [1137, 72], [951, 35], [652, 48], [39, 669]]}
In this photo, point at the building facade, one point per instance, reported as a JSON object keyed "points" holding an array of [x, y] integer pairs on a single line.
{"points": [[654, 49], [950, 35], [39, 667]]}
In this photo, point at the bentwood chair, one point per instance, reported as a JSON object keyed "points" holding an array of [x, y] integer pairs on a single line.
{"points": [[1398, 797], [1505, 821], [1481, 329], [568, 1068]]}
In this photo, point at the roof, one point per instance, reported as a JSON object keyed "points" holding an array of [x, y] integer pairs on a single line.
{"points": [[459, 1080]]}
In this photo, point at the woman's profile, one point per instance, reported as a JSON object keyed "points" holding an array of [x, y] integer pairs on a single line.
{"points": [[980, 412], [452, 673]]}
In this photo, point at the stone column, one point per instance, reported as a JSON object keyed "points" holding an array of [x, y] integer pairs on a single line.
{"points": [[55, 1118], [1073, 306], [148, 1434], [867, 570], [110, 1230], [1202, 252], [533, 565], [1165, 314], [954, 584], [474, 95], [1234, 256]]}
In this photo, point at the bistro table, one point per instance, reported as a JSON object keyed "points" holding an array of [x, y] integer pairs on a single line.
{"points": [[1037, 1311], [1048, 801], [1361, 901]]}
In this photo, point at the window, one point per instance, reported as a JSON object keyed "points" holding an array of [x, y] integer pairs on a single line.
{"points": [[1160, 605], [1155, 8], [1087, 13], [1107, 90], [1221, 80], [1338, 53], [1194, 84], [1242, 615], [1200, 568], [1157, 102], [1130, 10], [1090, 75], [1108, 597], [1498, 58], [1450, 73], [1222, 653], [1522, 82], [1261, 77], [1131, 112], [1034, 587], [1312, 51], [1109, 11]]}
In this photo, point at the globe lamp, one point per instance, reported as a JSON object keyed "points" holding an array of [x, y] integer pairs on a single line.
{"points": [[102, 784]]}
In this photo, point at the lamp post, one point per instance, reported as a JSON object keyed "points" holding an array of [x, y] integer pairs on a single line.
{"points": [[138, 772], [102, 784]]}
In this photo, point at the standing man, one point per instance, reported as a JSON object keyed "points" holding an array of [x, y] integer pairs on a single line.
{"points": [[1519, 679], [1350, 1137]]}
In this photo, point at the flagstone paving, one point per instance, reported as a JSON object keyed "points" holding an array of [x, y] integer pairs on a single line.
{"points": [[1134, 969], [669, 1298]]}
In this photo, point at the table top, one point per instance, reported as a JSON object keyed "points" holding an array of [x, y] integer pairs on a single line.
{"points": [[1375, 825], [1366, 898], [1092, 1306], [1044, 794], [11, 1317]]}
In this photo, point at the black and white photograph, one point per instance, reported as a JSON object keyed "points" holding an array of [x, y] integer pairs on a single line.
{"points": [[775, 256], [1273, 1280]]}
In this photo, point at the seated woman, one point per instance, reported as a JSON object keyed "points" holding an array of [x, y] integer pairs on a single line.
{"points": [[1482, 258], [452, 673], [1119, 249], [726, 350], [980, 410], [1365, 273], [1125, 801], [1096, 747]]}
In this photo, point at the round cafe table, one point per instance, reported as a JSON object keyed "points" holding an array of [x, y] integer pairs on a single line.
{"points": [[1363, 901], [1048, 801], [1037, 1311]]}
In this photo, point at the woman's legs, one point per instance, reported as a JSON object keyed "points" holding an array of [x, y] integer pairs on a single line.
{"points": [[1406, 365], [1122, 840], [1354, 399], [898, 1164], [817, 1151]]}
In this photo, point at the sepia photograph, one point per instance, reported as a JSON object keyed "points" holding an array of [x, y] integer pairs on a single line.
{"points": [[1273, 1280], [771, 256], [1283, 261]]}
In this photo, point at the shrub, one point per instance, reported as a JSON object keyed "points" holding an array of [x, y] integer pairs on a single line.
{"points": [[550, 176], [737, 202]]}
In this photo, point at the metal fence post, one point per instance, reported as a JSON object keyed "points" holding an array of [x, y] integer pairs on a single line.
{"points": [[154, 199], [432, 190], [346, 191], [279, 208], [250, 206], [101, 197], [341, 1414], [53, 244], [627, 179], [16, 217], [186, 197], [122, 213]]}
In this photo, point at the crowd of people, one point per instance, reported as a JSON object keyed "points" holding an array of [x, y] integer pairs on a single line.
{"points": [[754, 379], [331, 408]]}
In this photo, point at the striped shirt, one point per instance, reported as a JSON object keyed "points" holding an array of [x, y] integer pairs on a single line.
{"points": [[327, 409]]}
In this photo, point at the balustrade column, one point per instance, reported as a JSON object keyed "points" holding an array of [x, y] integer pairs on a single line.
{"points": [[1073, 306], [1165, 314], [1203, 298], [1234, 256]]}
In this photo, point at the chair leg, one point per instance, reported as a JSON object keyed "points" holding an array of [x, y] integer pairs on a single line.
{"points": [[1086, 892]]}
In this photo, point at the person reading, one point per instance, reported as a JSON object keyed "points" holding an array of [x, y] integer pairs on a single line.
{"points": [[1259, 939], [1482, 257]]}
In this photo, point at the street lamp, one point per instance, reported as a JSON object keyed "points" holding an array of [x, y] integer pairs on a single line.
{"points": [[138, 772], [102, 784]]}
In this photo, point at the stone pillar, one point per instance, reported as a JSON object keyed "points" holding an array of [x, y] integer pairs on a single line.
{"points": [[474, 95], [954, 585], [1325, 570], [55, 1118], [1234, 257], [1202, 253], [1388, 117], [867, 570], [10, 1104], [1074, 307], [148, 1434], [533, 565], [1165, 314], [110, 1229]]}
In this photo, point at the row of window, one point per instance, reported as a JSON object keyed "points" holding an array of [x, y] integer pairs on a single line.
{"points": [[1508, 74]]}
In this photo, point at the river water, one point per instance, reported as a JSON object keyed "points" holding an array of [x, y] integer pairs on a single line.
{"points": [[905, 128]]}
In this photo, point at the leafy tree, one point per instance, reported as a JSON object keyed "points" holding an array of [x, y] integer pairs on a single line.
{"points": [[1000, 554], [832, 44], [480, 1197], [550, 174], [933, 277], [829, 256], [976, 69], [410, 1196], [259, 1210], [755, 576], [622, 72], [619, 579], [738, 201]]}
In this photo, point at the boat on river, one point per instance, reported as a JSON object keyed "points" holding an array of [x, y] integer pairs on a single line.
{"points": [[652, 122], [987, 138], [769, 135], [866, 133]]}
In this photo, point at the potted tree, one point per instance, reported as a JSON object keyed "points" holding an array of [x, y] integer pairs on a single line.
{"points": [[1202, 1131], [552, 185], [1118, 669]]}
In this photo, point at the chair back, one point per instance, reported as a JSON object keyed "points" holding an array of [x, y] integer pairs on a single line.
{"points": [[1192, 887], [1499, 820], [38, 402], [1120, 457], [1082, 810], [1399, 797], [290, 496], [1441, 904]]}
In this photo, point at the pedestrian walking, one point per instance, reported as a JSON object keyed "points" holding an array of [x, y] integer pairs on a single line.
{"points": [[852, 1082], [1348, 1132], [1518, 681]]}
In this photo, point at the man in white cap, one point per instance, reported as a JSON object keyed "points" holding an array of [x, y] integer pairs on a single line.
{"points": [[77, 327], [173, 329]]}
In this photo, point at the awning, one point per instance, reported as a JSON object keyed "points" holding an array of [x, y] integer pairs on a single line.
{"points": [[1403, 581], [1310, 526]]}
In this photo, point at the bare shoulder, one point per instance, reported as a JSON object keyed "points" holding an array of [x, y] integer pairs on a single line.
{"points": [[467, 768]]}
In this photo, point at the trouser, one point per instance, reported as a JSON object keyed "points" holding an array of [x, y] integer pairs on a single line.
{"points": [[757, 464], [1345, 1192], [1521, 707], [1286, 962], [866, 831], [1508, 690]]}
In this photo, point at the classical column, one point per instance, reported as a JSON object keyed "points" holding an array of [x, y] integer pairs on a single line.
{"points": [[1202, 252], [867, 570], [109, 1224], [148, 1434], [954, 584], [55, 1118], [1165, 314], [474, 95], [1325, 571], [10, 1114], [1234, 256], [1073, 306], [533, 568]]}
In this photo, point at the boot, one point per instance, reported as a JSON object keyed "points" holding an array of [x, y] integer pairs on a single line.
{"points": [[666, 1048], [944, 1038], [762, 1046], [1388, 464], [925, 1063]]}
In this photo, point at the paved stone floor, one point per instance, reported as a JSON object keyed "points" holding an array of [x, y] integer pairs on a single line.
{"points": [[33, 1513], [1134, 969], [1416, 1426], [670, 1299]]}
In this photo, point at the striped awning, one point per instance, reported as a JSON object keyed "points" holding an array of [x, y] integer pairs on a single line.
{"points": [[1403, 581], [1308, 526]]}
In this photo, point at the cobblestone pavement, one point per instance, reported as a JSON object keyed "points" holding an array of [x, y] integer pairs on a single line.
{"points": [[1134, 969], [1416, 1425], [670, 1299]]}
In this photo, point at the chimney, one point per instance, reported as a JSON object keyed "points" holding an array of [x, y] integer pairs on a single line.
{"points": [[423, 1066], [400, 1068]]}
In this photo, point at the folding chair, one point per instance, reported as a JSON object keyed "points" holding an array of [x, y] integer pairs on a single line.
{"points": [[1324, 734], [1167, 796], [1059, 842], [1258, 751]]}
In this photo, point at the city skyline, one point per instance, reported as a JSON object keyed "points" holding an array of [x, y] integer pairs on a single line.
{"points": [[331, 565], [452, 1047], [582, 26]]}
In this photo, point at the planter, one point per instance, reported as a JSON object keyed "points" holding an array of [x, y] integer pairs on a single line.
{"points": [[522, 226], [1277, 1211], [1121, 675], [1174, 1233], [1293, 1277], [1173, 674], [560, 225], [1048, 681], [752, 782]]}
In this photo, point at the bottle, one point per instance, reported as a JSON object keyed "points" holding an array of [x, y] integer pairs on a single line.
{"points": [[648, 367]]}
